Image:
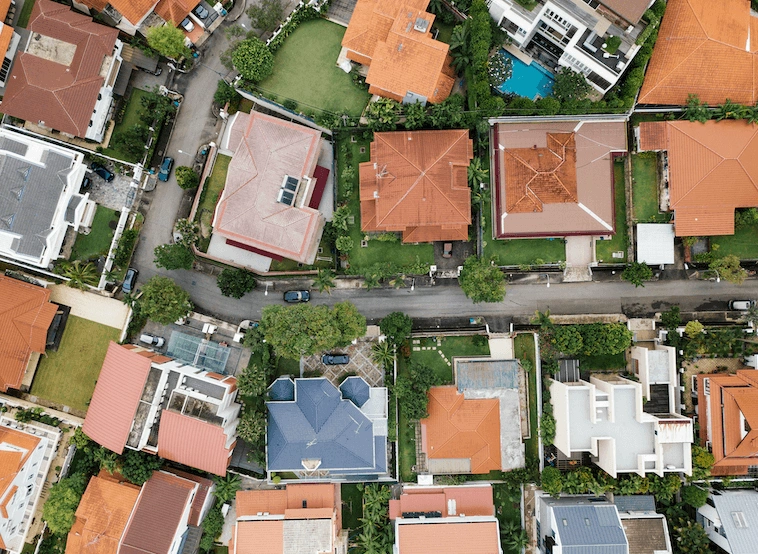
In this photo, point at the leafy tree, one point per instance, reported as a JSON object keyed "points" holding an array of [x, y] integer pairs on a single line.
{"points": [[227, 487], [671, 319], [186, 177], [79, 439], [745, 217], [235, 283], [212, 525], [252, 381], [60, 507], [687, 536], [132, 140], [415, 116], [694, 496], [751, 316], [349, 322], [729, 269], [266, 15], [695, 111], [570, 86], [344, 243], [477, 173], [107, 459], [189, 231], [168, 41], [693, 329], [164, 301], [547, 425], [605, 338], [383, 115], [412, 390], [552, 481], [396, 326], [81, 275], [567, 339], [324, 281], [664, 488], [137, 467], [448, 114], [252, 425], [482, 281], [253, 59], [637, 273], [225, 93], [173, 256], [702, 462]]}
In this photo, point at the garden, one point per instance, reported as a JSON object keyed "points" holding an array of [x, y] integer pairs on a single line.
{"points": [[645, 189], [98, 241], [620, 241], [744, 242], [211, 192]]}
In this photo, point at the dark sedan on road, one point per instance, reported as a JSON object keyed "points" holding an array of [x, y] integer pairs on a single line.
{"points": [[165, 170], [130, 280], [294, 296]]}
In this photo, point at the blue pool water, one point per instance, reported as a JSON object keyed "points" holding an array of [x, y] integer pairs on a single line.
{"points": [[530, 80]]}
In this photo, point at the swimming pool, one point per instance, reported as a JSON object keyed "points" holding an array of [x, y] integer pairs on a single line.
{"points": [[531, 80]]}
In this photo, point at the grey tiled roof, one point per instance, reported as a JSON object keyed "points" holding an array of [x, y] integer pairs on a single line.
{"points": [[356, 390], [734, 508], [282, 389], [598, 527], [635, 503]]}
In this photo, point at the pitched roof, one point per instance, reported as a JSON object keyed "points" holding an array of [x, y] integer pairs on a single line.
{"points": [[25, 316], [5, 5], [555, 178], [416, 182], [102, 516], [164, 498], [266, 150], [631, 10], [55, 88], [708, 52], [459, 428], [193, 442], [174, 10], [587, 526], [6, 34], [314, 496], [448, 537], [471, 500], [259, 537], [713, 169], [116, 397], [133, 10], [402, 58], [11, 461], [738, 512]]}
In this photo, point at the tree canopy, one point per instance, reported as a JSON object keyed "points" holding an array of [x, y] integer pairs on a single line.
{"points": [[137, 466], [637, 273], [253, 59], [173, 256], [164, 301], [570, 86], [186, 177], [60, 507], [235, 283], [168, 41], [396, 326], [266, 15], [412, 390], [729, 269], [481, 281]]}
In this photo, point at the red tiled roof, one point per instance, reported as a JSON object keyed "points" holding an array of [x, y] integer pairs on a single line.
{"points": [[290, 501], [204, 486], [630, 10], [116, 397], [713, 169], [416, 182], [25, 316], [193, 442], [174, 10], [708, 50], [61, 96], [133, 10], [449, 538]]}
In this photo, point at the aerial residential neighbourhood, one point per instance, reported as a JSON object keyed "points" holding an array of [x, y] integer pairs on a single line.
{"points": [[378, 277]]}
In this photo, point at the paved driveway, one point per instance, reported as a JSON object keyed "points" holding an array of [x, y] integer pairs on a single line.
{"points": [[360, 364]]}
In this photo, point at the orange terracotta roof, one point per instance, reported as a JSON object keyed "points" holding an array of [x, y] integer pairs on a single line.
{"points": [[61, 96], [193, 442], [25, 316], [116, 397], [6, 34], [259, 537], [102, 516], [6, 500], [11, 461], [174, 10], [133, 10], [291, 499], [709, 52], [416, 182], [459, 428], [250, 503], [5, 5], [713, 169], [449, 538], [401, 59], [469, 500]]}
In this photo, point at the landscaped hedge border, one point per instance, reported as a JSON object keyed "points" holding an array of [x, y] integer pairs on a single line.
{"points": [[303, 12]]}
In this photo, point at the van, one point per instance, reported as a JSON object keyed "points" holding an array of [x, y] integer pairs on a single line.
{"points": [[152, 340], [741, 305]]}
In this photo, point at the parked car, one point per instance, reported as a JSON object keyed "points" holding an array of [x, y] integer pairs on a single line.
{"points": [[165, 170], [447, 250], [295, 296], [187, 25], [335, 359], [102, 171], [152, 340], [158, 71], [200, 11], [86, 185], [741, 305], [130, 280]]}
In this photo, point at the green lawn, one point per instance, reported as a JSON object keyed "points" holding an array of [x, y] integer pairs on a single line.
{"points": [[446, 31], [361, 259], [451, 347], [99, 239], [645, 188], [68, 376], [603, 362], [286, 366], [743, 243], [305, 70], [26, 12], [519, 251], [604, 248], [212, 189], [352, 506], [523, 345], [131, 117], [507, 506]]}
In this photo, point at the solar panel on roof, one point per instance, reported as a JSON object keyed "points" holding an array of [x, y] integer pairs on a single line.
{"points": [[287, 198], [291, 183]]}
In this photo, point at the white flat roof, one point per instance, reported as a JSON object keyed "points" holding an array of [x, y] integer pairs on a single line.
{"points": [[655, 243]]}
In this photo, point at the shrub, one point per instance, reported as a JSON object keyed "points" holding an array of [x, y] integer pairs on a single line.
{"points": [[125, 247], [186, 177], [253, 59], [235, 282]]}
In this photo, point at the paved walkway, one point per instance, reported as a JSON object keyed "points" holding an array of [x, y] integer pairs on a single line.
{"points": [[91, 306], [361, 364], [501, 348]]}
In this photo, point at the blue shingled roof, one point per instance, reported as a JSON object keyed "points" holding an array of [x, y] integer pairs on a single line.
{"points": [[356, 390], [588, 526], [282, 389], [322, 425]]}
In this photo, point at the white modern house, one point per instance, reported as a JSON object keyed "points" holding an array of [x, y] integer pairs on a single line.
{"points": [[730, 518], [576, 34], [39, 198], [607, 417]]}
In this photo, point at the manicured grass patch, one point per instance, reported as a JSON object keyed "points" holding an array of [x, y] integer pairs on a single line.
{"points": [[68, 376], [306, 71], [743, 243], [604, 362], [361, 259], [605, 248], [445, 31], [352, 506], [212, 190], [406, 439], [26, 12], [523, 346], [451, 347], [286, 366], [131, 118], [99, 239], [519, 251], [645, 188]]}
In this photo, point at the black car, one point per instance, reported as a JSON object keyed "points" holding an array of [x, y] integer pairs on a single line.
{"points": [[200, 11], [86, 185], [335, 359], [295, 296], [130, 280], [102, 172]]}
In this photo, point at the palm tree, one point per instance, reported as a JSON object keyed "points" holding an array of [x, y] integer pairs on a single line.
{"points": [[324, 280], [371, 281], [516, 542], [227, 486], [398, 281], [477, 174], [383, 354], [459, 48], [80, 276]]}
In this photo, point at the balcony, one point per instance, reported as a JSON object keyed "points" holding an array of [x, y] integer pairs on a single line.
{"points": [[592, 44]]}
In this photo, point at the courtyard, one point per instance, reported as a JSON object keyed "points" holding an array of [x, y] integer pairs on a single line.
{"points": [[361, 364]]}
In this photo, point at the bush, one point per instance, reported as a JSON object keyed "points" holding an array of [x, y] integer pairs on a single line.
{"points": [[125, 247], [253, 60], [225, 93], [212, 525], [173, 256], [694, 496], [186, 177], [235, 282]]}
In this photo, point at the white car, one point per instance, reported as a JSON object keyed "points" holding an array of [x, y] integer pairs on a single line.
{"points": [[152, 340], [187, 25]]}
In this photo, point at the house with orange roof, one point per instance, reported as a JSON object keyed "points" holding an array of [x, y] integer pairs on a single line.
{"points": [[26, 315], [9, 41], [162, 406], [162, 516], [728, 415], [393, 39], [415, 183], [474, 426], [712, 169], [702, 51], [553, 177], [270, 208], [445, 519], [299, 519], [26, 453]]}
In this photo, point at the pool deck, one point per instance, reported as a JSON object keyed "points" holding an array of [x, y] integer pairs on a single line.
{"points": [[516, 53]]}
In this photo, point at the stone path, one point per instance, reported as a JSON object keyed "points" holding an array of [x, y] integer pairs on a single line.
{"points": [[361, 364], [417, 348]]}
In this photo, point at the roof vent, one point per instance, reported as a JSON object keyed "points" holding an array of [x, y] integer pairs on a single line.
{"points": [[400, 47], [305, 504], [421, 25]]}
